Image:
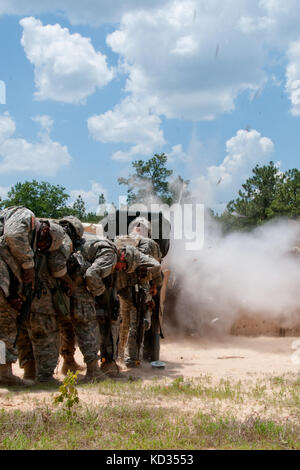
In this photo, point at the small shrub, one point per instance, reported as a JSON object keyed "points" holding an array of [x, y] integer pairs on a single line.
{"points": [[68, 393]]}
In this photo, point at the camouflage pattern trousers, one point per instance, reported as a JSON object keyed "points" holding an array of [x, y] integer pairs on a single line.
{"points": [[38, 339], [67, 336], [8, 329], [127, 347], [81, 326], [108, 336]]}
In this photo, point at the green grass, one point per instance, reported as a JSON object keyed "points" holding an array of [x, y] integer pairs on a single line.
{"points": [[199, 413], [180, 387], [129, 428]]}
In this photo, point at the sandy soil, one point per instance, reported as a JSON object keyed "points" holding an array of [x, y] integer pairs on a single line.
{"points": [[236, 358]]}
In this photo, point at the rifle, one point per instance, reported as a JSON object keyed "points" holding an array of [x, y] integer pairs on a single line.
{"points": [[139, 303], [59, 300], [108, 302], [29, 293]]}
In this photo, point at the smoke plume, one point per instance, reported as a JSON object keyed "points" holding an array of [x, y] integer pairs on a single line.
{"points": [[251, 272]]}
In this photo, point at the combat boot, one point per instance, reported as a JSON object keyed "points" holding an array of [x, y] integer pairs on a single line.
{"points": [[110, 369], [7, 377], [70, 364], [29, 371], [130, 364], [93, 372]]}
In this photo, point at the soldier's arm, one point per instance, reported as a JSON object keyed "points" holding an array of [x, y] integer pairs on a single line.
{"points": [[57, 260], [151, 248], [150, 264], [102, 267], [17, 231]]}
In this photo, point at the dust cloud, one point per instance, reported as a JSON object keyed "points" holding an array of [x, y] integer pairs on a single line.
{"points": [[252, 272]]}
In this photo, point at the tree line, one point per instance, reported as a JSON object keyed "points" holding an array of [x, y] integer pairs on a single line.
{"points": [[268, 193]]}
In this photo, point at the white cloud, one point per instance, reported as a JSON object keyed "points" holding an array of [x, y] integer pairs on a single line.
{"points": [[45, 121], [283, 18], [177, 154], [185, 75], [66, 66], [44, 157], [243, 151], [90, 197], [293, 77], [3, 192], [185, 45], [94, 12], [7, 127], [250, 24], [206, 53], [130, 122]]}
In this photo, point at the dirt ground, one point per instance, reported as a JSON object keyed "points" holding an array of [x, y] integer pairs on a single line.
{"points": [[229, 357], [236, 358]]}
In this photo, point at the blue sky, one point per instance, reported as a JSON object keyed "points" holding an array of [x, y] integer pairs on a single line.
{"points": [[215, 85]]}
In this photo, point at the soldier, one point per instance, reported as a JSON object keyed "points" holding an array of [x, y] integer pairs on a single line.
{"points": [[135, 269], [74, 229], [140, 229], [22, 235], [19, 231], [38, 339], [9, 306], [91, 263], [107, 310]]}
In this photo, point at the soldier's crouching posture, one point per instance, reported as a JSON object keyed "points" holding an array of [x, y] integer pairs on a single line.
{"points": [[74, 229], [134, 271], [38, 339], [22, 238], [139, 236], [8, 330], [92, 261]]}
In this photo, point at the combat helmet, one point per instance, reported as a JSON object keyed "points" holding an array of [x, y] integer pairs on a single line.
{"points": [[57, 236], [145, 227], [75, 224]]}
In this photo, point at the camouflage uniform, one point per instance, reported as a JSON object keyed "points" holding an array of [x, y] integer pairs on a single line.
{"points": [[38, 339], [107, 309], [8, 316], [19, 229], [67, 337], [19, 232], [126, 282], [96, 260]]}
